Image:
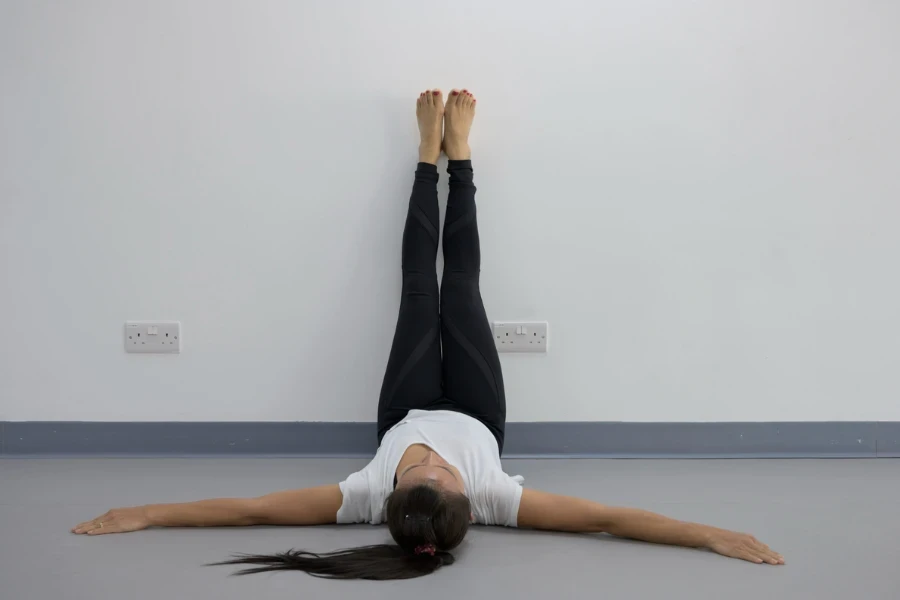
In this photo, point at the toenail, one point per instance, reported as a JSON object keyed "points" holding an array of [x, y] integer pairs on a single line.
{"points": [[435, 92], [455, 93]]}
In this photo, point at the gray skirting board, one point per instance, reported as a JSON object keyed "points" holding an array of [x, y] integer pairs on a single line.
{"points": [[839, 439]]}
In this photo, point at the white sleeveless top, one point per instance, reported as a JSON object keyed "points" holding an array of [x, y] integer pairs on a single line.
{"points": [[459, 439]]}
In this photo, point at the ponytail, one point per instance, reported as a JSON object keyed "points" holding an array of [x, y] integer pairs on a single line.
{"points": [[424, 521], [377, 563]]}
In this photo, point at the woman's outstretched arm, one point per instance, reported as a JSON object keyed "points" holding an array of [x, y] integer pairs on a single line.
{"points": [[311, 506], [540, 510]]}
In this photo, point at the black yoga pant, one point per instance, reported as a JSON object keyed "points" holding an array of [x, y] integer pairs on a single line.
{"points": [[468, 379]]}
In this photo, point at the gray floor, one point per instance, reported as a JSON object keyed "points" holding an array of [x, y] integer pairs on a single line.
{"points": [[834, 520]]}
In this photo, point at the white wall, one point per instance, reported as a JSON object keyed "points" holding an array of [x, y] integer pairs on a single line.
{"points": [[701, 197]]}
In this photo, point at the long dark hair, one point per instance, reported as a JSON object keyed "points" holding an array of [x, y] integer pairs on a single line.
{"points": [[425, 522]]}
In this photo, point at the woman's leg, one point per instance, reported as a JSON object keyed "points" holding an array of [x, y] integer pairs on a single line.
{"points": [[413, 375], [473, 379]]}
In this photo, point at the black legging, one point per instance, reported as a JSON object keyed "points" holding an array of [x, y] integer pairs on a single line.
{"points": [[468, 380]]}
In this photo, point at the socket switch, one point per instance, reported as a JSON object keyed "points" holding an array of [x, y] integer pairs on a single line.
{"points": [[153, 337], [521, 336]]}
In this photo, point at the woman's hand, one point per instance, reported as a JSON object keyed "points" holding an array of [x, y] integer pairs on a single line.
{"points": [[117, 520], [743, 546]]}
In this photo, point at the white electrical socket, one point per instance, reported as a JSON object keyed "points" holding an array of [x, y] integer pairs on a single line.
{"points": [[153, 337], [521, 336]]}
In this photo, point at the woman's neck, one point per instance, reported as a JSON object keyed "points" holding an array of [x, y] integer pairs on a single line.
{"points": [[413, 455]]}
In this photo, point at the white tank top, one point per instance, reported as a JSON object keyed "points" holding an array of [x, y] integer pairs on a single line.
{"points": [[459, 439]]}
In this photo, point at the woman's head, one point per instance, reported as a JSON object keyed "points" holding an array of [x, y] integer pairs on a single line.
{"points": [[427, 515], [425, 520]]}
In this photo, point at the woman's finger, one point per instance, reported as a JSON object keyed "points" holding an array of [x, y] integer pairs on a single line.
{"points": [[88, 527], [82, 526], [767, 556], [103, 529], [770, 554], [773, 555], [754, 556]]}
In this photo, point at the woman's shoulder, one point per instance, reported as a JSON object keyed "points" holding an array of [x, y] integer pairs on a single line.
{"points": [[495, 498], [364, 494]]}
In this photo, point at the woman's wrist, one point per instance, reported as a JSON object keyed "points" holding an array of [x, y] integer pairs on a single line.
{"points": [[155, 514], [706, 535]]}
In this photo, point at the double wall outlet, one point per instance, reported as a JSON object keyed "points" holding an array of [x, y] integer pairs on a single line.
{"points": [[153, 337], [521, 336]]}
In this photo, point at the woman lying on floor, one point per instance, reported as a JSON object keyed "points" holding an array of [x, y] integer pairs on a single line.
{"points": [[441, 418]]}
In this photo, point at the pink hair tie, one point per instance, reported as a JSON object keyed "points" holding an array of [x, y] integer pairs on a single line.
{"points": [[426, 549]]}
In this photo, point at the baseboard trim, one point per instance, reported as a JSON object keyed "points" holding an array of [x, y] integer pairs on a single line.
{"points": [[841, 439]]}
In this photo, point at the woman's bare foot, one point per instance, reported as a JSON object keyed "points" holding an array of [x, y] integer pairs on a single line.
{"points": [[458, 114], [430, 114]]}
